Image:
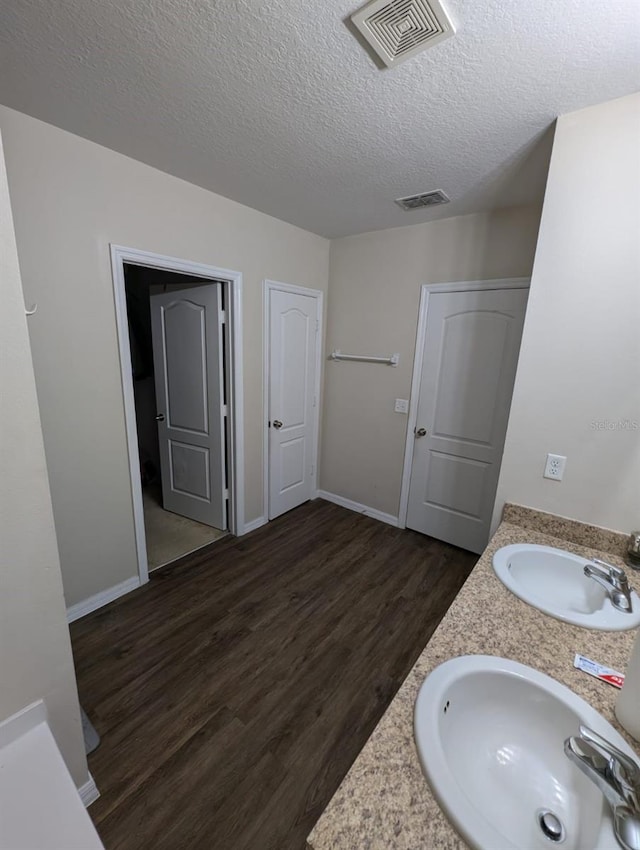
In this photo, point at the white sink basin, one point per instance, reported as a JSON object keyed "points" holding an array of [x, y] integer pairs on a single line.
{"points": [[553, 581], [490, 736]]}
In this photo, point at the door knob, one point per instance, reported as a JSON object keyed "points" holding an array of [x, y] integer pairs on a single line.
{"points": [[420, 432], [277, 424], [160, 417]]}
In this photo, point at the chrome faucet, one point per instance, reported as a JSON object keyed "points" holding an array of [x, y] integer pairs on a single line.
{"points": [[614, 580], [616, 775]]}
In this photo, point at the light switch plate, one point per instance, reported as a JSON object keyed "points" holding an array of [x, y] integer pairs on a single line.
{"points": [[402, 405]]}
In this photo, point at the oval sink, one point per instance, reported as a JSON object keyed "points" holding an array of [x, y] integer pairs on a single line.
{"points": [[553, 581], [490, 737]]}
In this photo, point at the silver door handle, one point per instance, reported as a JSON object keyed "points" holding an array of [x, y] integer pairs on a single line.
{"points": [[277, 424], [420, 432], [160, 417]]}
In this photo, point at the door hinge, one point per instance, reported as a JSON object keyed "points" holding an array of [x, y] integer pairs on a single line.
{"points": [[313, 469], [223, 317], [225, 495], [225, 411]]}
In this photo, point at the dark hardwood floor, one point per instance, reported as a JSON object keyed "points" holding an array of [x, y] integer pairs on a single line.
{"points": [[234, 691]]}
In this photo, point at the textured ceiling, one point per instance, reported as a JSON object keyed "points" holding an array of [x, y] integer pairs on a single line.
{"points": [[277, 105]]}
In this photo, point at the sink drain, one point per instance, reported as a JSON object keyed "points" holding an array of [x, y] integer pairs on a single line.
{"points": [[551, 826]]}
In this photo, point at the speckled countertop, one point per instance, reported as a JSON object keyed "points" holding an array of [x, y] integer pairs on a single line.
{"points": [[384, 801]]}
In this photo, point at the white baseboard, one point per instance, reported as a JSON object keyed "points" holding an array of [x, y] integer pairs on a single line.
{"points": [[255, 523], [80, 609], [22, 722], [89, 792], [358, 508]]}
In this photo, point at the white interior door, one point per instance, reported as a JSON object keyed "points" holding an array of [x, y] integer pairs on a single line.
{"points": [[469, 364], [188, 366], [293, 341]]}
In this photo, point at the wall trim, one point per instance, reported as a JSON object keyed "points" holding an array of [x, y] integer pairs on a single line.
{"points": [[80, 609], [358, 508], [254, 524], [268, 286], [425, 291], [22, 722], [89, 792], [233, 283]]}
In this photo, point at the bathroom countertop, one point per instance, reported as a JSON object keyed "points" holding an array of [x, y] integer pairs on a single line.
{"points": [[384, 801]]}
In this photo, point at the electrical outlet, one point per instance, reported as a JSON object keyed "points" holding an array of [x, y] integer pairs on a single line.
{"points": [[402, 405], [554, 467]]}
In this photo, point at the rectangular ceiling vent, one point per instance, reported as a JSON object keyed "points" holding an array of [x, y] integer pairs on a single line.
{"points": [[425, 199], [398, 29]]}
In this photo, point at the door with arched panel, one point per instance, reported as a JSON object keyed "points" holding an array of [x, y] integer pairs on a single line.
{"points": [[469, 362], [293, 341], [188, 367]]}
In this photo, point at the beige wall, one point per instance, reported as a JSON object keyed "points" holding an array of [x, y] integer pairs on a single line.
{"points": [[35, 652], [374, 293], [71, 198], [580, 357]]}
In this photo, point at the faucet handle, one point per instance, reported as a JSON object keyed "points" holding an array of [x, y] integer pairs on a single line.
{"points": [[625, 769], [615, 572], [593, 763]]}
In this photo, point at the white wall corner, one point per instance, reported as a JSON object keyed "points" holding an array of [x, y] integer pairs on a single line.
{"points": [[80, 609], [359, 508], [89, 792]]}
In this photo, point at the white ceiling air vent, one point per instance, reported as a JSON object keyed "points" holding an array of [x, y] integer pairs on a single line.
{"points": [[398, 29], [425, 199]]}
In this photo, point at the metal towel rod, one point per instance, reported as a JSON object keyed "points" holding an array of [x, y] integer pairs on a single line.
{"points": [[363, 358]]}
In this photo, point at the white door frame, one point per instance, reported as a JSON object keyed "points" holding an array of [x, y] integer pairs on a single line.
{"points": [[233, 307], [425, 291], [268, 286]]}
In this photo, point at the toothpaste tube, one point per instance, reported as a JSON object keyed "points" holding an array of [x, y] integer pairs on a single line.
{"points": [[605, 674]]}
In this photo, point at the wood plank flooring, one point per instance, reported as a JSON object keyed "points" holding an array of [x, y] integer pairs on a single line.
{"points": [[234, 691]]}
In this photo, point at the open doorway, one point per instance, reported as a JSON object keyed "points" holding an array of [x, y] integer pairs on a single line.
{"points": [[171, 527], [179, 334]]}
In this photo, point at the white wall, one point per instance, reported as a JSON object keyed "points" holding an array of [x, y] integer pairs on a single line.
{"points": [[71, 198], [35, 652], [374, 294], [579, 369]]}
